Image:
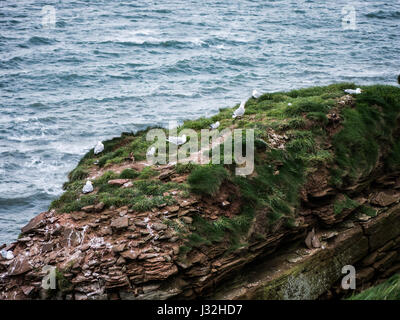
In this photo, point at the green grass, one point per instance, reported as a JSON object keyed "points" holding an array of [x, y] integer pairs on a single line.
{"points": [[78, 173], [319, 117], [144, 195], [313, 105], [347, 203], [296, 123], [332, 90], [365, 209], [185, 167], [129, 174], [198, 124], [388, 290], [63, 284], [393, 160], [206, 180], [103, 180], [148, 173], [230, 230], [366, 128]]}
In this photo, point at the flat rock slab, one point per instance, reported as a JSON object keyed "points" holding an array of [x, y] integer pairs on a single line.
{"points": [[385, 198], [120, 223], [35, 223], [19, 266], [118, 182]]}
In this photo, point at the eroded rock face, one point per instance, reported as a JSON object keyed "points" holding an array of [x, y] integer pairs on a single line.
{"points": [[145, 267], [385, 198], [310, 274], [124, 254], [103, 253]]}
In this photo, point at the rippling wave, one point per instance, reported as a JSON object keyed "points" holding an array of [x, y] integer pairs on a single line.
{"points": [[110, 67], [384, 14]]}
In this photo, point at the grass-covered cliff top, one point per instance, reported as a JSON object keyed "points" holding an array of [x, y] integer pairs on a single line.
{"points": [[298, 134]]}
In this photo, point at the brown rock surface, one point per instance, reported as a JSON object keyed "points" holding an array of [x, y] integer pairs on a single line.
{"points": [[110, 252], [118, 182]]}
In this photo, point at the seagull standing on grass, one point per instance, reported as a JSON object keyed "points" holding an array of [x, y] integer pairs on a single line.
{"points": [[177, 140], [98, 148], [239, 112], [214, 126], [351, 91], [256, 94], [88, 187]]}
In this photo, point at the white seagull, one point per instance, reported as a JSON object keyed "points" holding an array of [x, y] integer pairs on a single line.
{"points": [[177, 140], [239, 112], [256, 94], [151, 152], [98, 148], [214, 126], [352, 91], [88, 187], [7, 254]]}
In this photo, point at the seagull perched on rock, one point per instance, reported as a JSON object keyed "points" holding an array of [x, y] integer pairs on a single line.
{"points": [[7, 254], [352, 91], [98, 148], [177, 140], [151, 152], [239, 112], [88, 187], [256, 94], [214, 126]]}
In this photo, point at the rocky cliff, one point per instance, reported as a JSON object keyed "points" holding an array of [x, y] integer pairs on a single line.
{"points": [[324, 194]]}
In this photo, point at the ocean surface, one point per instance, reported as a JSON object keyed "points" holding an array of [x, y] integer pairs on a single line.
{"points": [[105, 67]]}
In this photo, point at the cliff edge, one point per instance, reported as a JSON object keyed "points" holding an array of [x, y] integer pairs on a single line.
{"points": [[325, 162]]}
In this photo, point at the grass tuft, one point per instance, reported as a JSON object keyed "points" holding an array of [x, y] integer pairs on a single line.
{"points": [[129, 174], [388, 290], [206, 180]]}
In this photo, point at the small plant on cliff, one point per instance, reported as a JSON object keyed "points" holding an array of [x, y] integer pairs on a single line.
{"points": [[185, 167], [63, 284], [128, 174], [148, 173], [388, 290], [78, 174], [344, 204], [206, 180], [365, 209], [198, 124]]}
